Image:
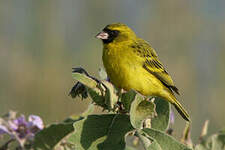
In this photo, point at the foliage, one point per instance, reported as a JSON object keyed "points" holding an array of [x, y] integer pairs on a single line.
{"points": [[101, 132], [50, 136], [133, 122]]}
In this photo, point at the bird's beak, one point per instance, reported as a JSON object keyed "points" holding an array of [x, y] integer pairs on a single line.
{"points": [[102, 35]]}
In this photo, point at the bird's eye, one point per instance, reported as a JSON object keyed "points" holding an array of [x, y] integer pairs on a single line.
{"points": [[115, 32]]}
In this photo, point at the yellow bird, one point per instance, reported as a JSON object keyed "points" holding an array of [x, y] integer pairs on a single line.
{"points": [[131, 63]]}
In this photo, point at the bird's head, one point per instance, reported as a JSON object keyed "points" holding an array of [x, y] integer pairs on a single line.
{"points": [[116, 32]]}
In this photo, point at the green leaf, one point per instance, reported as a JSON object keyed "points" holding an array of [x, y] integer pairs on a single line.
{"points": [[107, 98], [97, 98], [84, 83], [161, 122], [101, 132], [102, 92], [165, 141], [94, 89], [130, 148], [84, 79], [143, 139], [215, 142], [148, 142], [127, 99], [110, 95], [140, 110], [49, 137], [154, 146]]}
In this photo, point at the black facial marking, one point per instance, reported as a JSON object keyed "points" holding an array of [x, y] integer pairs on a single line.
{"points": [[112, 35]]}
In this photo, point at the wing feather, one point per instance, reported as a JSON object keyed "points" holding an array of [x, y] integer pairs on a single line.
{"points": [[153, 65]]}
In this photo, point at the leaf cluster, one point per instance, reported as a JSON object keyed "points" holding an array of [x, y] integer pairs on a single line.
{"points": [[133, 122]]}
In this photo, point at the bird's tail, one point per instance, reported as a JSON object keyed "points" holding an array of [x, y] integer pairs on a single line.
{"points": [[180, 109]]}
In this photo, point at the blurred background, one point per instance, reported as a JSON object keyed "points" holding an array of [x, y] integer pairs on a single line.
{"points": [[40, 42]]}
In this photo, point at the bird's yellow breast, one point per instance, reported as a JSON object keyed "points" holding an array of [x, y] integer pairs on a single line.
{"points": [[125, 70]]}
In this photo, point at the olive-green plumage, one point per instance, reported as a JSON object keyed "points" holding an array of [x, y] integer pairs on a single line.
{"points": [[131, 63]]}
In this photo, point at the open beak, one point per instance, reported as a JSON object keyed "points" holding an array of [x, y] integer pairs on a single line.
{"points": [[102, 35]]}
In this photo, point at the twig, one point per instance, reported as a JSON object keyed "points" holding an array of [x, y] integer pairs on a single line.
{"points": [[204, 130]]}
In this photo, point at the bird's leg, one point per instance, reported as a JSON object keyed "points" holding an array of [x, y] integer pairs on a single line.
{"points": [[151, 99], [119, 93], [118, 104]]}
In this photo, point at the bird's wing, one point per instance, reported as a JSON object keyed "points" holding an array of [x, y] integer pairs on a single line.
{"points": [[153, 65]]}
